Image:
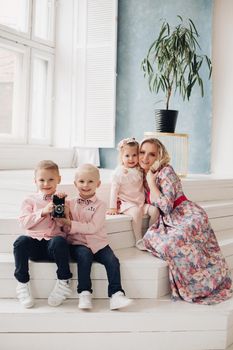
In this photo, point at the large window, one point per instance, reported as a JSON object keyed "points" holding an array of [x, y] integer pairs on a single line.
{"points": [[73, 103], [26, 70]]}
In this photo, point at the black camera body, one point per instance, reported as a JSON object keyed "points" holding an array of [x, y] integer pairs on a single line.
{"points": [[59, 207]]}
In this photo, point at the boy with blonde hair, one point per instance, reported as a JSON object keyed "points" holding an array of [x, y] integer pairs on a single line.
{"points": [[88, 239], [44, 239]]}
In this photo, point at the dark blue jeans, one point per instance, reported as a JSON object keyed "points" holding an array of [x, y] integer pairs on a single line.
{"points": [[84, 258], [56, 249]]}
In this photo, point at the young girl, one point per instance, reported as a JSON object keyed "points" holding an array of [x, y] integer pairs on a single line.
{"points": [[127, 191]]}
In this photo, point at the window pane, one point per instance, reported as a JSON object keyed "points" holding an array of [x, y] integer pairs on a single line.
{"points": [[15, 14], [6, 99], [10, 89], [44, 13], [39, 99]]}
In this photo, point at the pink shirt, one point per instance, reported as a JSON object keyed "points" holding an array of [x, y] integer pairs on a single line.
{"points": [[31, 220], [88, 223], [127, 187]]}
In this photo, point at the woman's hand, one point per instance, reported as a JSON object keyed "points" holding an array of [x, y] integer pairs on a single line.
{"points": [[151, 178], [151, 181]]}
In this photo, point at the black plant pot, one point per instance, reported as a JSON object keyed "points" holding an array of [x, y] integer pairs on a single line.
{"points": [[165, 120]]}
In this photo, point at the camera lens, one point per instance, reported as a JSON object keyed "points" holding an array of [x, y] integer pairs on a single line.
{"points": [[59, 208]]}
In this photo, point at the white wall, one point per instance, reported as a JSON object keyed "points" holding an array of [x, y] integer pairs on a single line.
{"points": [[222, 130]]}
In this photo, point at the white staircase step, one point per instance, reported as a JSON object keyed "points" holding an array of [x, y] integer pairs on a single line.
{"points": [[224, 223], [143, 276], [117, 240], [114, 223], [158, 324], [219, 208], [207, 187], [135, 289], [226, 245], [196, 188], [119, 227], [15, 185]]}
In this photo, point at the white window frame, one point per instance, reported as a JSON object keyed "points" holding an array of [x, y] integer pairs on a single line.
{"points": [[50, 43], [13, 31], [19, 125], [29, 46], [49, 97]]}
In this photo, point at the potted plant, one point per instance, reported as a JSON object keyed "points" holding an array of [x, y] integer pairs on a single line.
{"points": [[173, 64]]}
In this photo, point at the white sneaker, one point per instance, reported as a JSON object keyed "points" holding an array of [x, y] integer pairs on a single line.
{"points": [[24, 295], [85, 301], [59, 293], [118, 300]]}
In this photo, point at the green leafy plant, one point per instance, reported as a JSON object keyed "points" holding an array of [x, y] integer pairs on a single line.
{"points": [[175, 55]]}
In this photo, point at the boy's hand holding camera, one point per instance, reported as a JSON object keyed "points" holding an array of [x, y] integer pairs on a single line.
{"points": [[55, 208], [48, 209], [58, 205], [66, 221], [61, 215]]}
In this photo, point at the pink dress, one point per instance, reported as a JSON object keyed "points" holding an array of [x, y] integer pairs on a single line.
{"points": [[127, 188], [184, 238]]}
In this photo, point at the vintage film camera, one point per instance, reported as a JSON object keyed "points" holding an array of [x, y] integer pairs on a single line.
{"points": [[59, 207]]}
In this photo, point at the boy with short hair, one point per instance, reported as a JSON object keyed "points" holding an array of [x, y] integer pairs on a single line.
{"points": [[88, 239], [45, 239]]}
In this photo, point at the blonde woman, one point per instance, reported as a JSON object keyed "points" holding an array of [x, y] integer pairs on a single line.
{"points": [[182, 236]]}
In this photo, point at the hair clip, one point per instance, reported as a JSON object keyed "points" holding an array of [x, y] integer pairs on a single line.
{"points": [[125, 142]]}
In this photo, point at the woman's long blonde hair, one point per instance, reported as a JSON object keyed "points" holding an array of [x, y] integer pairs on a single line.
{"points": [[163, 156]]}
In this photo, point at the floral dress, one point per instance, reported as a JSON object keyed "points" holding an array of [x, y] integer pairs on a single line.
{"points": [[184, 238]]}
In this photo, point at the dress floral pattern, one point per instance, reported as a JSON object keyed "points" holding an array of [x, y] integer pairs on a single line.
{"points": [[184, 238]]}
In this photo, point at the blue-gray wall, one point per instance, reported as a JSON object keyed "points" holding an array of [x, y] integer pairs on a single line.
{"points": [[138, 25]]}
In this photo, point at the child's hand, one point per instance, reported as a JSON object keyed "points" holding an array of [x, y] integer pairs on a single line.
{"points": [[112, 211], [65, 224], [66, 221], [67, 212], [48, 209], [63, 221], [61, 194]]}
